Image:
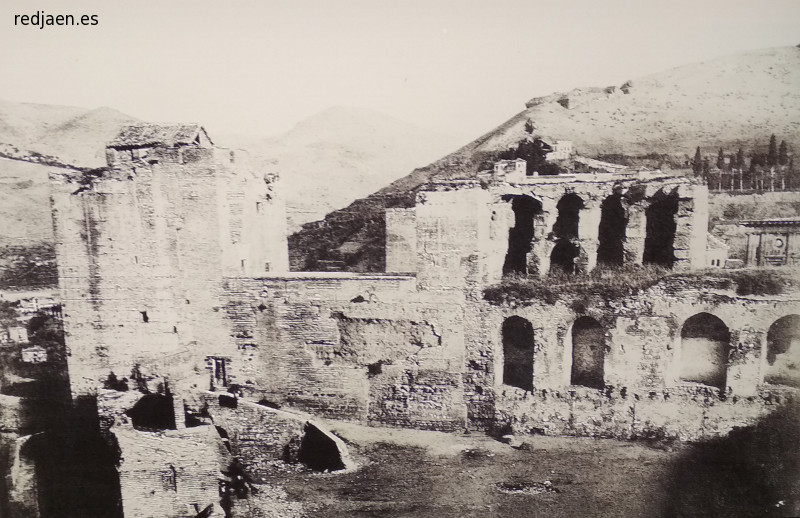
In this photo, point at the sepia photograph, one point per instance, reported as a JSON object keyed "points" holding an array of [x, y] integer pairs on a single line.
{"points": [[419, 259]]}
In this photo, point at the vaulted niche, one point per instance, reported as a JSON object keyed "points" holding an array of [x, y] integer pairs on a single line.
{"points": [[704, 350], [518, 353], [659, 239], [588, 353], [520, 236], [564, 256], [611, 232], [783, 352]]}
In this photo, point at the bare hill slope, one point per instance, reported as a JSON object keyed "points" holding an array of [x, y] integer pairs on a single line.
{"points": [[727, 102]]}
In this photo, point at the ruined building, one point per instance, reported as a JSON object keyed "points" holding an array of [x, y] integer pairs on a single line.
{"points": [[180, 313]]}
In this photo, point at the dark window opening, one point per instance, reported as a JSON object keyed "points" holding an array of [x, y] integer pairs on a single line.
{"points": [[220, 372], [588, 353], [566, 252], [611, 233], [518, 353], [659, 241], [520, 236], [783, 352], [153, 412], [704, 350]]}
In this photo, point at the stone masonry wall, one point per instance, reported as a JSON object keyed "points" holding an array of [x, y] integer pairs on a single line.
{"points": [[643, 392], [353, 347]]}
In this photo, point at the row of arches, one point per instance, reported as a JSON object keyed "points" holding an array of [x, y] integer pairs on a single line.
{"points": [[660, 231], [704, 351]]}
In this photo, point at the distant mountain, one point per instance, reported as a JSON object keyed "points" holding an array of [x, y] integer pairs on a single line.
{"points": [[76, 136], [325, 162], [341, 154], [727, 102]]}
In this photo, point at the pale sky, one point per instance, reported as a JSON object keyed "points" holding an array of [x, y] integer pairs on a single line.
{"points": [[258, 67]]}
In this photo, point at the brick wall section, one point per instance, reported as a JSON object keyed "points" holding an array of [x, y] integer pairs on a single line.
{"points": [[354, 347], [167, 473], [154, 236]]}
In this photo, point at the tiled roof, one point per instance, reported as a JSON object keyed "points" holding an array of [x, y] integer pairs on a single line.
{"points": [[141, 135]]}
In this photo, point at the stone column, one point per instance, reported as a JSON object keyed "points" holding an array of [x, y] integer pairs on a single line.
{"points": [[635, 234], [588, 232]]}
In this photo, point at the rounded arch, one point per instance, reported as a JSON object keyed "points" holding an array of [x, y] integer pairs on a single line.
{"points": [[521, 235], [660, 229], [705, 341], [783, 352], [588, 353], [567, 250], [153, 412], [517, 333], [611, 231]]}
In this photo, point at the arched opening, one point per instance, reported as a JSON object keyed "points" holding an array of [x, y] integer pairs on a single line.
{"points": [[659, 241], [518, 353], [565, 254], [783, 352], [588, 353], [520, 236], [153, 412], [611, 232], [704, 350]]}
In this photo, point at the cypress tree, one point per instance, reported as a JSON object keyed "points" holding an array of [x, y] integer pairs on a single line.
{"points": [[697, 164], [720, 159], [740, 158], [772, 156]]}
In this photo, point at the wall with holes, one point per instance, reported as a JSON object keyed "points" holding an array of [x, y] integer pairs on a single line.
{"points": [[362, 347], [142, 248], [670, 362]]}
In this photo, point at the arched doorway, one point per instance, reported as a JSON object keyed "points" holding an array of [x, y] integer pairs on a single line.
{"points": [[705, 341], [611, 232], [520, 236], [565, 254], [518, 353], [588, 353], [659, 241], [783, 352]]}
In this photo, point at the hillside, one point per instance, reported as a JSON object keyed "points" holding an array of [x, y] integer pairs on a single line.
{"points": [[732, 101], [76, 136], [341, 154]]}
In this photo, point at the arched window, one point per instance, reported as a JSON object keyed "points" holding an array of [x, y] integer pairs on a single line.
{"points": [[659, 241], [611, 232], [520, 236], [566, 252], [518, 353], [705, 341], [588, 353], [783, 352]]}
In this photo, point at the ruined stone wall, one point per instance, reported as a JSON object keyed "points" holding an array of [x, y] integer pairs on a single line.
{"points": [[643, 391], [353, 347], [141, 252], [459, 220], [169, 473]]}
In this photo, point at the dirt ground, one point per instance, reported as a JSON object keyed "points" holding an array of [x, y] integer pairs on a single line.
{"points": [[408, 473]]}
